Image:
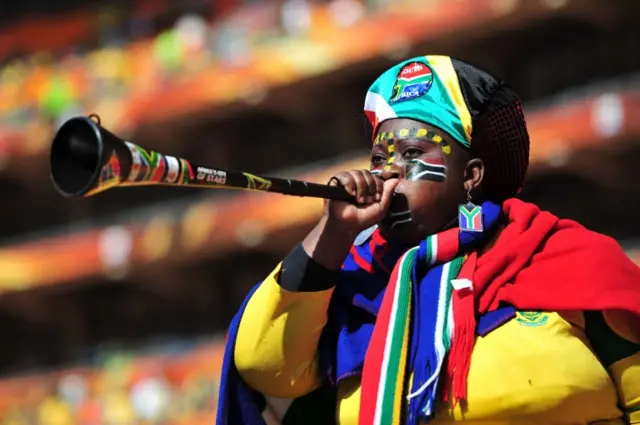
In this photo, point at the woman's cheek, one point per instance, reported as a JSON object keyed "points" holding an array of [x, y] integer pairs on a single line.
{"points": [[431, 169]]}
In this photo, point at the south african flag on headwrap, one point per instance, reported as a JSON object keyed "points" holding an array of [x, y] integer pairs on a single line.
{"points": [[414, 80]]}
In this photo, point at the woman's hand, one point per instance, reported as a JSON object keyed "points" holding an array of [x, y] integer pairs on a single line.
{"points": [[372, 194], [330, 241]]}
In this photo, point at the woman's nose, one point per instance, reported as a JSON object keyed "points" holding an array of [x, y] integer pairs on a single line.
{"points": [[391, 171]]}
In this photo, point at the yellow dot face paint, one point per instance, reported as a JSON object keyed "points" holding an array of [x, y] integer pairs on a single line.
{"points": [[391, 151], [412, 134]]}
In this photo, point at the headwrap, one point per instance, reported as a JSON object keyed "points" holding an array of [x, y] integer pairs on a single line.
{"points": [[475, 108]]}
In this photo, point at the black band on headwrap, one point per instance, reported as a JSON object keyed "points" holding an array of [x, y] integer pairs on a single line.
{"points": [[500, 136], [301, 273]]}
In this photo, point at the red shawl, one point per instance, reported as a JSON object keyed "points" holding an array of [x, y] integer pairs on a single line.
{"points": [[540, 262]]}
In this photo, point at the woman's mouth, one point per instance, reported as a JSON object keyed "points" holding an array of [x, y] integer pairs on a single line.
{"points": [[399, 212]]}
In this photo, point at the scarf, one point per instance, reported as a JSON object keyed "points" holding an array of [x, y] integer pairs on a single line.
{"points": [[428, 301], [428, 318]]}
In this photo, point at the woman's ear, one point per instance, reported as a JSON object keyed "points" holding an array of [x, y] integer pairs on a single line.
{"points": [[473, 175]]}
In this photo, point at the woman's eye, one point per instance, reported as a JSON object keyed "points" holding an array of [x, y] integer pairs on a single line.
{"points": [[412, 153], [378, 160]]}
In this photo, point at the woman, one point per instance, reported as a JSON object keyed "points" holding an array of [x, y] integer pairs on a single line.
{"points": [[439, 297]]}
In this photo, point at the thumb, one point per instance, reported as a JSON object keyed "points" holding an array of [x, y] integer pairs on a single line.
{"points": [[387, 193]]}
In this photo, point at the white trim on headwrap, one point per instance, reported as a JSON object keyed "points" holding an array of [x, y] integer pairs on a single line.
{"points": [[377, 109], [425, 89]]}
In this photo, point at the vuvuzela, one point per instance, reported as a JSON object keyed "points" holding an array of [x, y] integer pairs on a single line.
{"points": [[87, 159]]}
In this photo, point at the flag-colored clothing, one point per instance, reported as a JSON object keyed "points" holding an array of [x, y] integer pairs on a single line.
{"points": [[569, 363], [537, 368]]}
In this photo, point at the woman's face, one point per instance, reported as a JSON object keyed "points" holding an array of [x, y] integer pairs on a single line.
{"points": [[435, 173]]}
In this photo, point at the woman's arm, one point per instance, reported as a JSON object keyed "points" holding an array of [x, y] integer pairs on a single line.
{"points": [[276, 346], [615, 337], [277, 341]]}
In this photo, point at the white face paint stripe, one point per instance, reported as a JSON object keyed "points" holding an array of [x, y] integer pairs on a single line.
{"points": [[427, 172], [395, 223], [437, 171], [396, 214]]}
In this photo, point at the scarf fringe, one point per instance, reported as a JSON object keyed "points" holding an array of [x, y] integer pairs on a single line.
{"points": [[459, 361]]}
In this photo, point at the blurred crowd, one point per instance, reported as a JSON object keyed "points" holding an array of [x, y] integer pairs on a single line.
{"points": [[132, 48], [123, 390], [193, 251]]}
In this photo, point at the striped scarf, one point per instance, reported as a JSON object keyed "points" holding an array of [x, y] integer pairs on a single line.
{"points": [[427, 316]]}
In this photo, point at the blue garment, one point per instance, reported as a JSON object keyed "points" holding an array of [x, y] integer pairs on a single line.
{"points": [[237, 403]]}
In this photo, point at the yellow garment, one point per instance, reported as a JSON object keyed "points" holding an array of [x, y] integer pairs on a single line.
{"points": [[538, 368]]}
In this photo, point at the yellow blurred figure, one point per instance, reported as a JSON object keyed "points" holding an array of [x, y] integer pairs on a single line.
{"points": [[117, 409], [53, 411]]}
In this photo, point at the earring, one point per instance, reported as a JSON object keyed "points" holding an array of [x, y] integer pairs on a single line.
{"points": [[470, 216]]}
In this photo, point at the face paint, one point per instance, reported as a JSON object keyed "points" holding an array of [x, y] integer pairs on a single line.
{"points": [[399, 212], [429, 169], [399, 218], [391, 151], [421, 134]]}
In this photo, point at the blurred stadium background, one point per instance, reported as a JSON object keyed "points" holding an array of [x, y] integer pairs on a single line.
{"points": [[113, 309]]}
